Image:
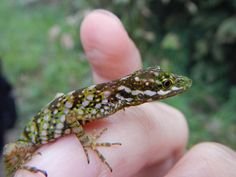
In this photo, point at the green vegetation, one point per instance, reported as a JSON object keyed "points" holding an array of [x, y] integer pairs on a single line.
{"points": [[42, 54]]}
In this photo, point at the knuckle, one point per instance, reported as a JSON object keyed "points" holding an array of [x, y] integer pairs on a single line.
{"points": [[212, 159], [213, 153], [211, 149]]}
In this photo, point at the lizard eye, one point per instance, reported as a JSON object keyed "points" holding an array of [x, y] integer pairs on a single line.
{"points": [[167, 83], [141, 96]]}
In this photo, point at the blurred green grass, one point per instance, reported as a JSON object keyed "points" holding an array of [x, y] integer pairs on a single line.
{"points": [[38, 66], [42, 55]]}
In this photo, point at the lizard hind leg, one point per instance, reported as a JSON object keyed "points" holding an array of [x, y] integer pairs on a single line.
{"points": [[34, 170], [17, 154], [89, 142]]}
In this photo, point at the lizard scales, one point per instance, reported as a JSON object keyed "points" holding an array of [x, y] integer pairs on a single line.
{"points": [[68, 113]]}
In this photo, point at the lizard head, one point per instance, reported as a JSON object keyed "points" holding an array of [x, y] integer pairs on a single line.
{"points": [[151, 84]]}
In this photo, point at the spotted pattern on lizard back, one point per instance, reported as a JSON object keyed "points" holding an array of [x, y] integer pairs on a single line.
{"points": [[68, 113]]}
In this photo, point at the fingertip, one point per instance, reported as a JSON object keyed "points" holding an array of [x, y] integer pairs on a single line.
{"points": [[98, 29], [108, 47]]}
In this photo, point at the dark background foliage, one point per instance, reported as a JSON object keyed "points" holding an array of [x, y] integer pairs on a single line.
{"points": [[42, 54]]}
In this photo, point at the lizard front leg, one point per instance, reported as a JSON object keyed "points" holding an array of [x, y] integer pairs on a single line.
{"points": [[90, 141]]}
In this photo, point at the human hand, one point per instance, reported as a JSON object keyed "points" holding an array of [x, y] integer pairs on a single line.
{"points": [[153, 135]]}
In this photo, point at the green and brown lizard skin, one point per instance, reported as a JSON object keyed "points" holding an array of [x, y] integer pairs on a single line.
{"points": [[69, 113]]}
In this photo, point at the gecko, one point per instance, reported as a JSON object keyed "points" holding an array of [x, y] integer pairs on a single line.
{"points": [[69, 113]]}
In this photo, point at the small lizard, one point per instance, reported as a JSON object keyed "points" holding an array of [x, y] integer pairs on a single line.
{"points": [[69, 113]]}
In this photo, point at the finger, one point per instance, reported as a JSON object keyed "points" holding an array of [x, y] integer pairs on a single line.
{"points": [[147, 141], [109, 49], [206, 160]]}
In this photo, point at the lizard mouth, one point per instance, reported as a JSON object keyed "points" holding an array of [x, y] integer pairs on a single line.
{"points": [[182, 84]]}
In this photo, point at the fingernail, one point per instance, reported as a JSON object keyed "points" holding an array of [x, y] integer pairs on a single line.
{"points": [[108, 13]]}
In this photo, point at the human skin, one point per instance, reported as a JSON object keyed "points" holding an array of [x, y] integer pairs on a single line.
{"points": [[153, 135]]}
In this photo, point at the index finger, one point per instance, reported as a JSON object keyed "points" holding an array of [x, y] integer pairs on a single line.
{"points": [[110, 51]]}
